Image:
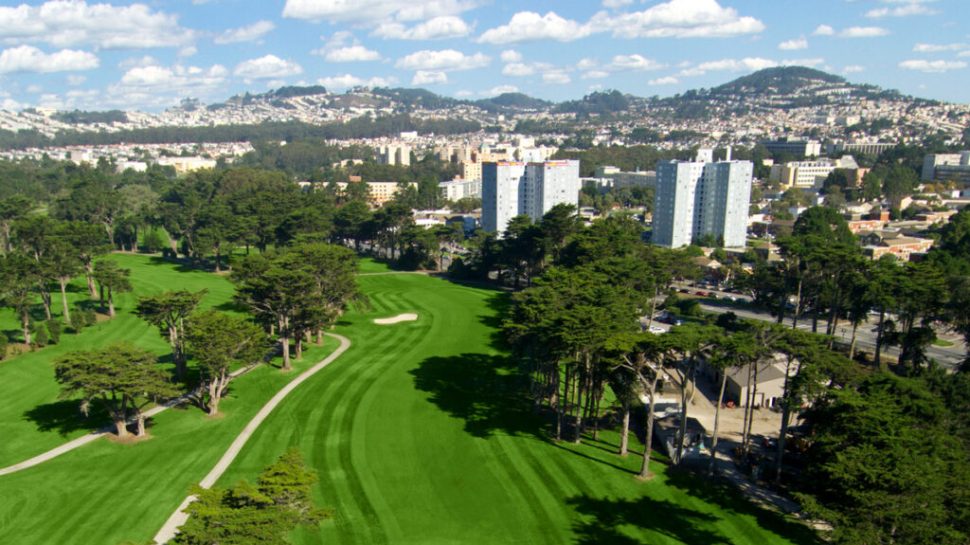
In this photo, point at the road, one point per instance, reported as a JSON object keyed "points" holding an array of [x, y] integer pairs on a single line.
{"points": [[950, 356]]}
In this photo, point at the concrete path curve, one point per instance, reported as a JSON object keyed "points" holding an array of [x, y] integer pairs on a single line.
{"points": [[107, 430], [178, 518]]}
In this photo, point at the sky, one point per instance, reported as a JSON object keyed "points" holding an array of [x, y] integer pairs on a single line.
{"points": [[81, 54]]}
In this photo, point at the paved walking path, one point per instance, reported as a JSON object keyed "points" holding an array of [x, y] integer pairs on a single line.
{"points": [[178, 518], [107, 430]]}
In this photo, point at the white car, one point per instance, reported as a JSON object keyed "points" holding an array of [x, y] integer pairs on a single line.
{"points": [[657, 330]]}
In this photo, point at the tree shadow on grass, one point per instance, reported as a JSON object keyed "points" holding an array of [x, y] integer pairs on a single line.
{"points": [[65, 417], [498, 303], [603, 520], [232, 306], [486, 391], [729, 499]]}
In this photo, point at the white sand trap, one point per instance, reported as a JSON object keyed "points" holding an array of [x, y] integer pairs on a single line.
{"points": [[406, 317]]}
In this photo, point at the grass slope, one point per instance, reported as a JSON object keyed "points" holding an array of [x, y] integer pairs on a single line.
{"points": [[32, 419], [420, 435], [108, 492]]}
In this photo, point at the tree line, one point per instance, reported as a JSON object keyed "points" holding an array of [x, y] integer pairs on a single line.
{"points": [[881, 453], [360, 127]]}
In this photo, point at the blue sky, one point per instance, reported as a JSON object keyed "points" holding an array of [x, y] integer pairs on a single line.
{"points": [[84, 54]]}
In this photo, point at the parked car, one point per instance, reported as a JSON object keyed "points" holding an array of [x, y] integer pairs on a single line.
{"points": [[669, 318], [657, 330], [701, 293]]}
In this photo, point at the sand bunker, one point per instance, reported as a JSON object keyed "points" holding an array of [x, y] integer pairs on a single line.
{"points": [[407, 317]]}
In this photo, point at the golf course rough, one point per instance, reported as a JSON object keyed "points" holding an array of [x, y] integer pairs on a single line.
{"points": [[420, 434]]}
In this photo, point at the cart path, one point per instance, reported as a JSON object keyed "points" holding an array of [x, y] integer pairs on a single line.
{"points": [[107, 430], [178, 518]]}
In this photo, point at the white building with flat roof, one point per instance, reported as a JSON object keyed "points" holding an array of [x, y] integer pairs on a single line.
{"points": [[458, 189], [512, 188], [697, 198]]}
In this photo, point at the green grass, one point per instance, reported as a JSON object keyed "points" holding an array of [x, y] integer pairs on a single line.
{"points": [[943, 343], [419, 433], [32, 419]]}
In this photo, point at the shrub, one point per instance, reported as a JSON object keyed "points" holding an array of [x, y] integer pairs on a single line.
{"points": [[3, 346], [41, 338], [54, 328], [153, 242]]}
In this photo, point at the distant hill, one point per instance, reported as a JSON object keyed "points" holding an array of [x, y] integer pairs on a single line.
{"points": [[89, 118], [600, 103], [513, 101], [416, 98], [783, 80], [295, 91]]}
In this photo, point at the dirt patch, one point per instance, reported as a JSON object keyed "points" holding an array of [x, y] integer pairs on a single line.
{"points": [[130, 439], [406, 317]]}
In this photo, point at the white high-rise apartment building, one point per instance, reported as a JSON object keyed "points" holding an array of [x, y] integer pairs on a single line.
{"points": [[698, 198], [512, 188]]}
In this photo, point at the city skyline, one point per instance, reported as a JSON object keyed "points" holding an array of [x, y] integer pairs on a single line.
{"points": [[71, 54]]}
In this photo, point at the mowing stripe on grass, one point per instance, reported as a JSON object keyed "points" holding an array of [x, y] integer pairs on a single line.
{"points": [[169, 529]]}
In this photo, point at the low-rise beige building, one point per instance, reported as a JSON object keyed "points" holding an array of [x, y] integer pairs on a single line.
{"points": [[379, 192]]}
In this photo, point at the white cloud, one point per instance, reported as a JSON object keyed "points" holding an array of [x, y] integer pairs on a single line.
{"points": [[373, 10], [932, 66], [518, 69], [178, 76], [446, 26], [586, 63], [131, 62], [811, 63], [353, 53], [853, 69], [343, 47], [528, 26], [671, 19], [442, 60], [64, 23], [633, 62], [794, 44], [10, 104], [667, 80], [616, 3], [556, 76], [938, 48], [863, 32], [748, 64], [823, 30], [908, 8], [511, 55], [679, 19], [247, 33], [152, 86], [595, 74], [267, 67], [964, 54], [76, 79], [188, 51], [429, 77], [346, 81], [26, 58], [501, 89]]}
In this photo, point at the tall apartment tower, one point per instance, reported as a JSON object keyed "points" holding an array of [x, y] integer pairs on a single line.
{"points": [[512, 188], [700, 198]]}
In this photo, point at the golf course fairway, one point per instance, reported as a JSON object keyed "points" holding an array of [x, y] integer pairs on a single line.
{"points": [[420, 433]]}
